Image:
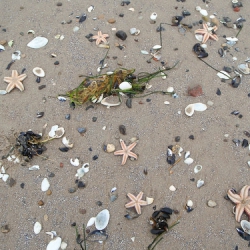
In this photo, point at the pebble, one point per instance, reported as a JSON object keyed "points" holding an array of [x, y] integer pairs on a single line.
{"points": [[111, 20], [191, 137], [59, 4], [81, 184], [22, 185], [121, 34], [89, 107], [56, 63], [122, 129], [40, 203], [3, 42], [46, 217], [113, 197], [49, 192], [51, 175], [99, 203], [41, 87], [218, 92], [82, 211], [210, 103], [11, 182], [5, 229], [211, 203], [177, 138], [72, 190], [196, 91], [67, 117], [95, 157], [94, 119], [81, 130]]}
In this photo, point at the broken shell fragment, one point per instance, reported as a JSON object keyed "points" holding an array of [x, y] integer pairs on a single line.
{"points": [[172, 188], [37, 227], [149, 200], [188, 161], [200, 106], [37, 42], [197, 169], [232, 39], [111, 101], [244, 68], [64, 245], [200, 183], [170, 89], [35, 167], [223, 75], [75, 162], [190, 203], [56, 131], [245, 226], [66, 143], [83, 170], [110, 148], [38, 72], [157, 47], [45, 185], [16, 55], [91, 222], [102, 219], [189, 110], [54, 244], [153, 16]]}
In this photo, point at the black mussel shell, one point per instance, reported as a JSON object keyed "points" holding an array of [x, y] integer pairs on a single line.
{"points": [[157, 231], [162, 225], [235, 112], [247, 133], [236, 81], [64, 149], [72, 105], [245, 143], [166, 210], [97, 235], [202, 55], [242, 234], [171, 159], [176, 20], [82, 18], [189, 209], [164, 216], [155, 213]]}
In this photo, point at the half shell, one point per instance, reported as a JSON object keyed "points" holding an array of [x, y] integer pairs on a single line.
{"points": [[125, 86], [200, 106], [189, 110], [54, 244], [188, 161], [38, 42], [66, 143], [223, 75], [200, 183], [197, 169], [38, 72], [45, 185], [37, 227], [56, 132], [245, 226], [244, 68], [102, 219], [111, 101]]}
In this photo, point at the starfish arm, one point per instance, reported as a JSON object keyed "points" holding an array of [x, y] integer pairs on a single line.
{"points": [[132, 197], [22, 77], [214, 37], [205, 26], [119, 152], [7, 79], [247, 210], [244, 192], [130, 204], [105, 35], [139, 196], [131, 154], [143, 203], [235, 198], [123, 145], [20, 86], [14, 73], [138, 208], [200, 31], [10, 87], [103, 40], [205, 38], [124, 159], [131, 146], [239, 211]]}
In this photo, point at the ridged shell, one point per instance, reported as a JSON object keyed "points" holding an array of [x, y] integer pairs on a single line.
{"points": [[38, 72]]}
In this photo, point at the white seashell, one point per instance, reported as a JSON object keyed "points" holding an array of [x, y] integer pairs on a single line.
{"points": [[156, 47], [75, 29], [35, 167], [104, 127], [91, 222], [66, 143], [131, 9], [54, 244], [170, 89], [244, 68], [197, 169], [144, 52], [248, 163], [188, 161], [17, 160], [52, 234], [2, 47], [234, 58], [233, 39], [75, 162], [167, 102], [16, 55], [223, 75], [102, 219], [200, 106], [172, 188], [189, 110], [113, 189], [198, 8], [45, 185], [204, 46], [133, 239], [211, 203], [62, 98], [199, 37], [187, 154], [200, 183], [37, 227], [153, 16], [31, 32], [132, 31], [110, 148], [64, 245], [38, 72], [180, 150], [9, 158], [38, 42], [111, 101], [95, 100], [61, 37], [125, 86], [149, 200], [83, 170], [4, 177], [190, 203], [203, 12], [91, 8], [110, 73], [56, 131], [245, 226], [3, 92], [148, 86]]}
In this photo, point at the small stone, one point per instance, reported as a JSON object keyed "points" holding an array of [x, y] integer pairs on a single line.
{"points": [[196, 91], [61, 165], [72, 190], [58, 4], [22, 185], [95, 157], [99, 203], [82, 211], [5, 229], [121, 34], [94, 119], [218, 92], [148, 100], [177, 138], [240, 116], [113, 197], [42, 87], [51, 175], [192, 179], [56, 63], [122, 129], [46, 217], [81, 130], [3, 42], [191, 137], [89, 107], [121, 15], [67, 117], [49, 192], [111, 20], [211, 203], [40, 203], [11, 182], [81, 184], [210, 103], [227, 69]]}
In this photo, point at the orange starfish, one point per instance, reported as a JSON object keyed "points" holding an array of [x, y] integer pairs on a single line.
{"points": [[207, 32], [126, 151], [15, 81], [100, 37], [136, 202], [242, 201]]}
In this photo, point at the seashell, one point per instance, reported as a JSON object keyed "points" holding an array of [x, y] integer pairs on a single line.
{"points": [[203, 12], [91, 222], [223, 75], [200, 106], [62, 99], [149, 200], [188, 161], [232, 39], [172, 188], [65, 142], [95, 100], [83, 170], [75, 29], [110, 148], [38, 42], [37, 227], [144, 52], [167, 102], [1, 47], [52, 234], [170, 89], [244, 68], [248, 163], [56, 132], [31, 32], [132, 31], [199, 37], [187, 154], [200, 183], [102, 219], [75, 162], [3, 92], [109, 73], [156, 47], [91, 8], [125, 86], [153, 16], [16, 55], [189, 110], [45, 185], [111, 101], [204, 46], [198, 8], [131, 9], [54, 244], [38, 72], [113, 189], [133, 239], [211, 203], [35, 167], [190, 203], [4, 177], [61, 37], [245, 226], [64, 245], [197, 169]]}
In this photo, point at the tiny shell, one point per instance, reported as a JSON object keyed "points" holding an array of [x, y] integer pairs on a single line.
{"points": [[197, 169], [144, 52], [125, 86], [2, 47], [244, 68], [172, 188], [56, 132], [188, 161], [198, 8], [200, 106], [223, 75], [83, 170], [3, 92], [211, 203], [38, 72], [64, 245], [37, 42], [203, 12], [31, 32], [233, 39], [187, 154], [190, 203], [110, 148], [245, 226], [199, 37], [167, 102], [66, 143], [16, 55], [35, 167], [91, 8], [200, 183], [75, 162], [189, 110], [170, 89], [37, 227], [54, 244], [156, 47], [91, 222], [113, 189], [45, 185], [153, 16], [102, 219], [149, 200]]}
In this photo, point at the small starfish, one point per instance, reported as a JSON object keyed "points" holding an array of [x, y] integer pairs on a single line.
{"points": [[15, 81], [136, 202], [126, 151], [100, 37], [207, 32], [242, 201]]}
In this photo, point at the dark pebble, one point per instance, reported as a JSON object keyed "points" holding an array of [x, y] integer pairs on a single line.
{"points": [[51, 175], [82, 18], [95, 157], [121, 15], [22, 185], [160, 28], [200, 22], [81, 130], [191, 137], [218, 92], [122, 129], [90, 149], [59, 4], [148, 100], [99, 203], [21, 33], [82, 211], [177, 138], [11, 182], [89, 107], [4, 30], [94, 119], [121, 34], [41, 87], [64, 149], [67, 117], [237, 49], [248, 95], [186, 13], [76, 181], [81, 184], [89, 35], [240, 116], [227, 19], [73, 224], [38, 79], [125, 3], [72, 105], [192, 179], [56, 62], [148, 61], [245, 143], [227, 69], [69, 21], [39, 114], [72, 190]]}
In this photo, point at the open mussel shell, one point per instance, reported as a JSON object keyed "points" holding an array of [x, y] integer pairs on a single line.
{"points": [[97, 235], [245, 226], [102, 219], [242, 234], [244, 68]]}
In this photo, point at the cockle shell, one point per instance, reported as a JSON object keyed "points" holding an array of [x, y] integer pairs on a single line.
{"points": [[149, 200], [37, 42], [54, 244], [38, 72], [45, 185], [189, 110], [37, 227]]}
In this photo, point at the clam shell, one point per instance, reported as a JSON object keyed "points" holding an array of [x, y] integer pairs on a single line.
{"points": [[233, 39], [91, 222], [3, 92], [200, 183], [197, 169], [38, 42], [37, 227], [54, 244], [144, 52], [38, 72], [75, 162], [16, 55], [66, 143], [125, 86], [200, 106], [111, 101], [149, 200], [190, 203], [189, 110], [199, 37], [172, 188], [156, 47], [188, 161], [45, 185], [203, 12], [102, 219], [64, 245], [223, 75], [244, 68], [245, 226]]}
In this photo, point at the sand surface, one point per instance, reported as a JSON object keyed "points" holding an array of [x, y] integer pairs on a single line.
{"points": [[154, 123]]}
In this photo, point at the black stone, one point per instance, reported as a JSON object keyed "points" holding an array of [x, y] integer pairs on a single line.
{"points": [[245, 143], [56, 62], [81, 130], [121, 15], [51, 175], [227, 69], [218, 92], [22, 185], [99, 203], [240, 116], [82, 18], [81, 184], [40, 114], [186, 13], [41, 87], [94, 119], [177, 138], [192, 179], [95, 157], [121, 34], [191, 137], [148, 100], [129, 102], [122, 129], [64, 149], [67, 117]]}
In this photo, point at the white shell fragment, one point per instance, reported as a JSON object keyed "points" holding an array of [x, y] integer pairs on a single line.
{"points": [[74, 162], [125, 86], [245, 226], [167, 102], [3, 92], [38, 72], [3, 175], [56, 131], [189, 110], [111, 101], [190, 203], [149, 200], [156, 47], [64, 245], [203, 12], [187, 154], [172, 188], [91, 222], [91, 8], [153, 16], [66, 143], [244, 68], [52, 234], [232, 39], [45, 185], [38, 42], [200, 106], [144, 52], [199, 37], [102, 219], [200, 183], [37, 227], [170, 89], [16, 55], [223, 75], [197, 169], [75, 29], [35, 167], [110, 148], [188, 161], [54, 244], [83, 170], [2, 47], [113, 189]]}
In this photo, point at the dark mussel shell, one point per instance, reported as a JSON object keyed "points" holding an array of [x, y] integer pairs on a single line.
{"points": [[236, 81], [176, 20], [171, 159], [242, 234], [162, 225], [164, 216], [97, 235], [155, 213], [166, 210], [64, 149], [245, 143], [157, 231], [201, 53]]}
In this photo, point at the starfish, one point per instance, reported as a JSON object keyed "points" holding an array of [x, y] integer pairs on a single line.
{"points": [[207, 32], [15, 81], [126, 151], [136, 202], [242, 201], [100, 37]]}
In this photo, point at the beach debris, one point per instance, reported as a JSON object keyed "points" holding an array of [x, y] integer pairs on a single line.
{"points": [[91, 8], [34, 167], [2, 48], [244, 68], [75, 162], [102, 219], [37, 227], [134, 31], [109, 148], [245, 226], [195, 91], [149, 200], [243, 234], [121, 35], [125, 86], [66, 143], [56, 132], [153, 17], [200, 51], [64, 245], [83, 170], [16, 55], [82, 18], [15, 81], [45, 185], [189, 110], [39, 72], [136, 201], [3, 174], [211, 203], [189, 203], [5, 229], [38, 42], [54, 244], [3, 92], [200, 183], [172, 188], [207, 32], [197, 169]]}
